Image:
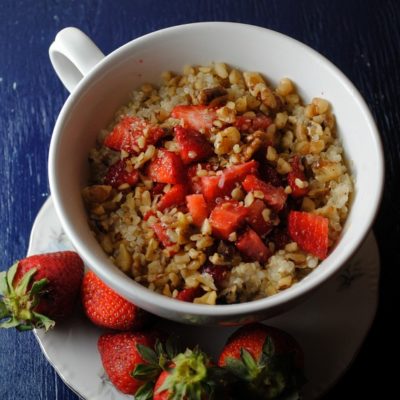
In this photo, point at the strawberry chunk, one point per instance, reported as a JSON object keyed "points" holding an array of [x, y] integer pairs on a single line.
{"points": [[209, 186], [197, 117], [310, 232], [174, 197], [194, 180], [251, 245], [273, 196], [226, 218], [189, 294], [222, 185], [256, 219], [120, 173], [197, 207], [297, 172], [251, 124], [126, 134], [161, 232], [167, 167], [194, 146]]}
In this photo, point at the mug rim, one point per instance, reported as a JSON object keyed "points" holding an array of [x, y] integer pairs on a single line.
{"points": [[152, 298]]}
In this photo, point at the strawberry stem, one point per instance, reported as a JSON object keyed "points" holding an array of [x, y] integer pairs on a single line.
{"points": [[188, 376], [18, 303]]}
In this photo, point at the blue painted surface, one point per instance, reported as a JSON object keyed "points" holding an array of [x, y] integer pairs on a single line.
{"points": [[360, 37]]}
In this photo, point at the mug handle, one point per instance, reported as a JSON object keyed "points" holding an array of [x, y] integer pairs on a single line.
{"points": [[73, 55]]}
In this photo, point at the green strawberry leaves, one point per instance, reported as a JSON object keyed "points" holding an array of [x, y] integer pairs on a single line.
{"points": [[18, 303], [156, 360], [191, 377], [145, 392]]}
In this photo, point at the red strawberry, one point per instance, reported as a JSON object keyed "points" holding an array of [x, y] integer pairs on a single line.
{"points": [[167, 167], [194, 180], [121, 172], [199, 118], [259, 122], [189, 377], [194, 146], [174, 197], [256, 219], [267, 360], [273, 196], [297, 172], [310, 232], [39, 290], [226, 218], [198, 208], [108, 309], [189, 294], [120, 354], [126, 134], [222, 185], [251, 245]]}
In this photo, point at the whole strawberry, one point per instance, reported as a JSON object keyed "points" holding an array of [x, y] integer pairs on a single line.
{"points": [[121, 355], [106, 308], [267, 361], [40, 290]]}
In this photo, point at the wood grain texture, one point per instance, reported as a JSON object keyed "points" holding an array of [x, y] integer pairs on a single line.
{"points": [[361, 37]]}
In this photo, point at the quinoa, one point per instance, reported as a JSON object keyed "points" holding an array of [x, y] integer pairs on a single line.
{"points": [[165, 250]]}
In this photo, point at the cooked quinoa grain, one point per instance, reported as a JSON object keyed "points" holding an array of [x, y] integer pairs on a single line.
{"points": [[217, 187]]}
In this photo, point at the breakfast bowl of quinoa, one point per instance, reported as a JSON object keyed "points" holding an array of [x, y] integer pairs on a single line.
{"points": [[213, 172]]}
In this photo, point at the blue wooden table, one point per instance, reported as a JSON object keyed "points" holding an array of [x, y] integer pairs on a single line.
{"points": [[361, 37]]}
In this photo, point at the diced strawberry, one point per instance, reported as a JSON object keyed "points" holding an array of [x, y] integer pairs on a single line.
{"points": [[196, 117], [310, 232], [120, 173], [210, 189], [256, 219], [197, 207], [273, 196], [161, 232], [167, 167], [194, 180], [194, 146], [226, 218], [238, 172], [174, 197], [251, 245], [297, 172], [251, 124], [189, 294], [222, 185], [125, 135]]}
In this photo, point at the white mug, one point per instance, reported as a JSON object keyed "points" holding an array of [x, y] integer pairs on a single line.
{"points": [[99, 85]]}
